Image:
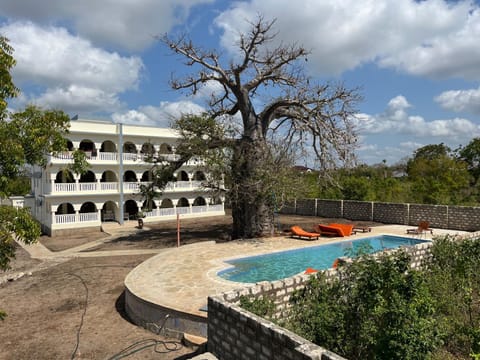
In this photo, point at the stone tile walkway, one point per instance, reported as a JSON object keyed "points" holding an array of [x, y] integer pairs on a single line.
{"points": [[182, 278]]}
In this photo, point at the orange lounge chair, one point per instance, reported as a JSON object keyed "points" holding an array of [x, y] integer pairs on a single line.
{"points": [[334, 229], [346, 229], [297, 231], [423, 227]]}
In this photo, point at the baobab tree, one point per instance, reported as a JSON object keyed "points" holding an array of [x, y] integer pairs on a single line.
{"points": [[266, 87]]}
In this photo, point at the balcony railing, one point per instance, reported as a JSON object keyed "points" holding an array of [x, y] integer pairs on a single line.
{"points": [[127, 157], [76, 218], [64, 219], [128, 187], [85, 187]]}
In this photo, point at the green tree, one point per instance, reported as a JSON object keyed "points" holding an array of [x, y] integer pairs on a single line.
{"points": [[471, 155], [454, 281], [7, 87], [26, 138], [377, 308], [437, 177], [267, 88]]}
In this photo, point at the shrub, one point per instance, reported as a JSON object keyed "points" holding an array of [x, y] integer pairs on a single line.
{"points": [[377, 308]]}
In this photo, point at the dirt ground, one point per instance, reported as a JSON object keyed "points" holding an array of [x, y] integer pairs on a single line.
{"points": [[74, 309]]}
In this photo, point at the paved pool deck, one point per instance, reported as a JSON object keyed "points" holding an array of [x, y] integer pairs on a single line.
{"points": [[181, 279]]}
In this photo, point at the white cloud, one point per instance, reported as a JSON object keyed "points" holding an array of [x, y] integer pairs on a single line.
{"points": [[433, 37], [161, 115], [71, 73], [395, 119], [460, 100], [129, 24]]}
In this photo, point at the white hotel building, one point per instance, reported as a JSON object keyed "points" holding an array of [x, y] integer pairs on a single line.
{"points": [[109, 191]]}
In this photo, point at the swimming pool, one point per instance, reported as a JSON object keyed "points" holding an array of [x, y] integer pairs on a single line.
{"points": [[280, 265]]}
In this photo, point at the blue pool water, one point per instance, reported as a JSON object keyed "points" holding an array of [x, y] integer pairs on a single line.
{"points": [[284, 264]]}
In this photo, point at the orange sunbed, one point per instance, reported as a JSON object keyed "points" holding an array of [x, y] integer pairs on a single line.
{"points": [[297, 231], [334, 229]]}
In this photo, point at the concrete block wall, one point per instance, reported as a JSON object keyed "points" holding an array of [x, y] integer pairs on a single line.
{"points": [[440, 216], [329, 208], [437, 215], [389, 213], [235, 333], [306, 206], [358, 210], [463, 218]]}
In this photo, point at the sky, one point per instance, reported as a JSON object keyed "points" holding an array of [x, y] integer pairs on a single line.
{"points": [[416, 63]]}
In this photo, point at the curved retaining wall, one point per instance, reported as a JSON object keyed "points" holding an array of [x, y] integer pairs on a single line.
{"points": [[153, 317]]}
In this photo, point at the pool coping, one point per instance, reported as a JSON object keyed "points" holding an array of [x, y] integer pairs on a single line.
{"points": [[178, 281]]}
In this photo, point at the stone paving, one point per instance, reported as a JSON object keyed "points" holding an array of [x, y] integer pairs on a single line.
{"points": [[182, 278]]}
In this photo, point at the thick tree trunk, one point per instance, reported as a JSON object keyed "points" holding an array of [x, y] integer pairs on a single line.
{"points": [[252, 209]]}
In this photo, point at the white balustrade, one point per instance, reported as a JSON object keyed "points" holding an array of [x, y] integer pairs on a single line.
{"points": [[199, 209], [109, 186], [84, 217], [130, 187], [65, 187], [130, 156], [182, 185], [109, 156], [87, 186], [183, 210], [75, 218], [65, 218], [217, 207], [166, 211]]}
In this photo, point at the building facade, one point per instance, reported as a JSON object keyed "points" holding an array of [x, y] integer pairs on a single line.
{"points": [[120, 162]]}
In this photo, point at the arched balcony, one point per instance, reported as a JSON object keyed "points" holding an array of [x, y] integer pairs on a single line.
{"points": [[130, 210], [108, 151], [109, 181]]}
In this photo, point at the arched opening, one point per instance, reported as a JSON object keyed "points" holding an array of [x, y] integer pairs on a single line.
{"points": [[108, 211], [199, 176], [165, 149], [215, 201], [129, 176], [88, 177], [130, 210], [129, 148], [88, 147], [148, 149], [108, 146], [148, 205], [64, 176], [166, 203], [182, 176], [147, 176], [199, 201], [108, 176], [182, 202], [69, 145], [88, 207], [65, 208]]}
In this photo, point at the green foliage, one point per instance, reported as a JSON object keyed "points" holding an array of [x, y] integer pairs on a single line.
{"points": [[7, 87], [437, 177], [262, 306], [454, 281], [379, 308], [375, 309], [471, 155], [15, 224]]}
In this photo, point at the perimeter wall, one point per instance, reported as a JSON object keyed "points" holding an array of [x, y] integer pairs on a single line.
{"points": [[463, 218]]}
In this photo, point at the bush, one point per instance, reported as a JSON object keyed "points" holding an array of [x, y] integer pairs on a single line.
{"points": [[377, 308]]}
